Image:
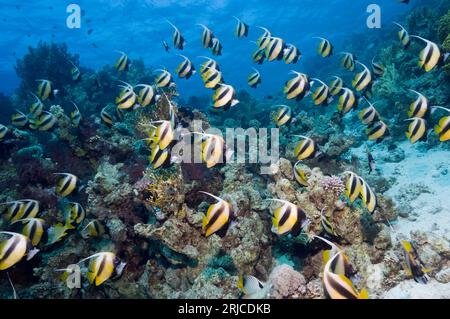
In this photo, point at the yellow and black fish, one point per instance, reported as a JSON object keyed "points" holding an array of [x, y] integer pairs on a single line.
{"points": [[414, 266], [322, 95], [45, 90], [325, 48], [420, 107], [431, 56], [363, 79], [275, 49], [341, 264], [339, 286], [127, 97], [353, 186], [13, 210], [74, 215], [368, 197], [264, 39], [33, 229], [19, 209], [19, 119], [297, 87], [288, 219], [164, 134], [326, 225], [377, 131], [283, 116], [443, 128], [165, 79], [75, 72], [94, 228], [56, 233], [212, 79], [146, 95], [254, 79], [224, 97], [377, 68], [369, 114], [348, 61], [241, 28], [123, 63], [251, 287], [417, 129], [336, 85], [306, 149], [259, 56], [209, 64], [106, 117], [30, 209], [3, 131], [214, 150], [178, 41], [14, 249], [103, 266], [347, 101], [75, 116], [186, 69], [159, 158], [300, 175], [216, 47], [207, 36], [403, 35], [218, 217], [291, 54], [36, 107], [45, 122], [67, 184]]}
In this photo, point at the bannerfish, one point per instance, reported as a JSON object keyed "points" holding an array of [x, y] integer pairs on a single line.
{"points": [[218, 217], [178, 41], [288, 218], [325, 48], [254, 79], [14, 249], [241, 28]]}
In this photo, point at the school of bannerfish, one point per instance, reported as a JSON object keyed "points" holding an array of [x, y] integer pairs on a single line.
{"points": [[288, 218]]}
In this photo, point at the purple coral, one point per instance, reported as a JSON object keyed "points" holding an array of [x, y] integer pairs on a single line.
{"points": [[286, 283], [332, 184]]}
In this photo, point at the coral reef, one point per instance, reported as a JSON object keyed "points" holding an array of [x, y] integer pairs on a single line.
{"points": [[153, 218]]}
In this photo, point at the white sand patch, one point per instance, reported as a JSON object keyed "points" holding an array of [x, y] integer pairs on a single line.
{"points": [[412, 290], [421, 188]]}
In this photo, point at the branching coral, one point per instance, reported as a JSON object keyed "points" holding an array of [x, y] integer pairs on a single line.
{"points": [[46, 61]]}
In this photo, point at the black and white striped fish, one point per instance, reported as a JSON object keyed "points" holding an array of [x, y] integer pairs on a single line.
{"points": [[403, 35], [185, 69], [218, 217], [325, 48], [225, 97], [254, 79], [288, 219], [298, 87], [207, 36], [178, 41], [14, 249], [291, 54], [67, 184], [241, 28]]}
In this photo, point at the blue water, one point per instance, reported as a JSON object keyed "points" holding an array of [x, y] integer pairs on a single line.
{"points": [[138, 28]]}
